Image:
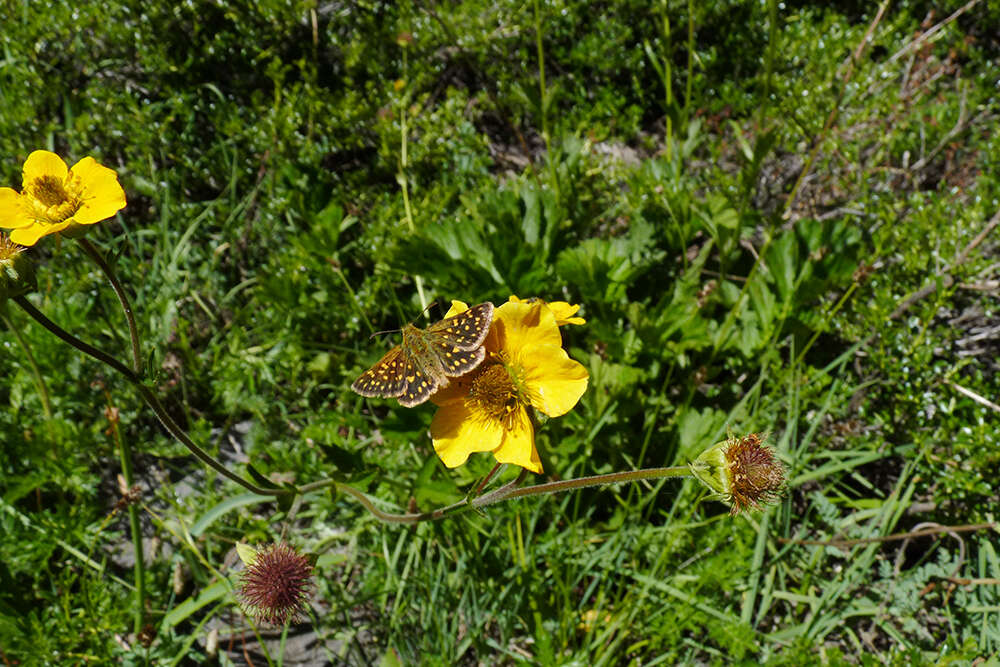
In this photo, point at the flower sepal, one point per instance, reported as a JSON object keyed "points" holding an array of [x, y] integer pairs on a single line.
{"points": [[710, 469], [17, 271]]}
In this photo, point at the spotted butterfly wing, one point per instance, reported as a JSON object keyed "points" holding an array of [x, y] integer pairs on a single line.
{"points": [[467, 330], [387, 378], [422, 364], [455, 361], [418, 386]]}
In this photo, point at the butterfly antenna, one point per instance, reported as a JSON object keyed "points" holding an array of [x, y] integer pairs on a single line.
{"points": [[429, 306], [387, 331]]}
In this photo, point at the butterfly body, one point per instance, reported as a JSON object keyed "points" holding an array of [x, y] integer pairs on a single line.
{"points": [[423, 362]]}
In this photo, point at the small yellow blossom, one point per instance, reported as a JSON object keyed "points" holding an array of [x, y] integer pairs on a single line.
{"points": [[563, 311], [526, 367], [53, 197]]}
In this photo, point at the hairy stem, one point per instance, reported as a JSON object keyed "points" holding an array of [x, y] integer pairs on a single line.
{"points": [[116, 285], [506, 492]]}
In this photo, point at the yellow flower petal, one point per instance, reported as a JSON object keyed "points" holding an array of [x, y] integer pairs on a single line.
{"points": [[517, 325], [564, 313], [102, 195], [42, 163], [27, 236], [458, 432], [556, 381], [518, 446], [456, 308], [13, 212], [457, 389]]}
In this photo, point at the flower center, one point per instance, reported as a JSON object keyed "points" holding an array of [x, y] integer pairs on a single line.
{"points": [[53, 202], [494, 394]]}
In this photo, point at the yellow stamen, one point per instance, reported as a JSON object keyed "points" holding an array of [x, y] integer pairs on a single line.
{"points": [[494, 395], [54, 203]]}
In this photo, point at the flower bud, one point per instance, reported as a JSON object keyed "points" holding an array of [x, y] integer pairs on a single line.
{"points": [[741, 472], [275, 583], [17, 271]]}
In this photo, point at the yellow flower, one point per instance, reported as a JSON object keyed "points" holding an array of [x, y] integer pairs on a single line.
{"points": [[563, 311], [54, 197], [526, 367]]}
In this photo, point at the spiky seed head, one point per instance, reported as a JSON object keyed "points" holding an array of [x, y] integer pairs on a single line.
{"points": [[742, 472], [275, 584]]}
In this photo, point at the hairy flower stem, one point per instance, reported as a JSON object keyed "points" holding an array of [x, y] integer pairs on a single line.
{"points": [[116, 285], [580, 483], [148, 396], [506, 492]]}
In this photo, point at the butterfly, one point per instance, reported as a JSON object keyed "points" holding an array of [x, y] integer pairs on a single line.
{"points": [[423, 362]]}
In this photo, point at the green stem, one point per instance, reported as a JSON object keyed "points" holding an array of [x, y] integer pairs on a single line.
{"points": [[668, 87], [116, 285], [580, 483], [43, 391], [506, 492], [772, 39], [354, 298], [178, 433], [148, 396], [72, 340]]}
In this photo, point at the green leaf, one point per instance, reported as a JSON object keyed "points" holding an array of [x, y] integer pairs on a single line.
{"points": [[227, 505], [182, 611], [783, 264]]}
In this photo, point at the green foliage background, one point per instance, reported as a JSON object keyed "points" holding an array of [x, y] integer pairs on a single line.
{"points": [[741, 195]]}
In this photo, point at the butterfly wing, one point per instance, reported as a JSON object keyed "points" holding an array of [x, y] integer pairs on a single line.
{"points": [[467, 330], [454, 360], [387, 378], [411, 372], [417, 385]]}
